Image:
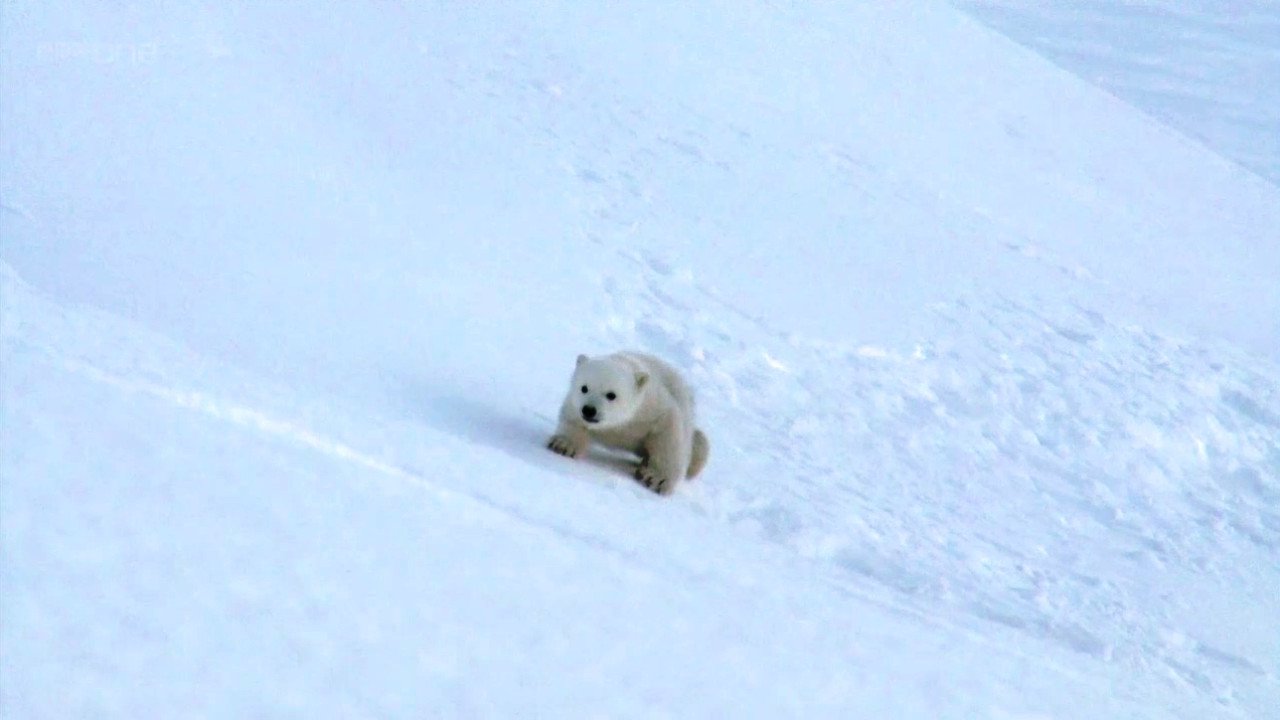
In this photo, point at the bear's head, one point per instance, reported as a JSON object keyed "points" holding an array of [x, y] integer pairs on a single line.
{"points": [[605, 391]]}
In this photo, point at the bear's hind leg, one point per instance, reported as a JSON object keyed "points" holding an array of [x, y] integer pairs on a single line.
{"points": [[701, 449]]}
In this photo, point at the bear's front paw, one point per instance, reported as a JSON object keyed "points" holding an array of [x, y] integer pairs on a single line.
{"points": [[564, 446], [655, 482]]}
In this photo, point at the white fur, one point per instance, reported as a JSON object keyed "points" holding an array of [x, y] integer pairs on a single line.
{"points": [[651, 414]]}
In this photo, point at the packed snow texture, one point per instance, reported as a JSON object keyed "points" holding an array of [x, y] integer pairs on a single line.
{"points": [[290, 293]]}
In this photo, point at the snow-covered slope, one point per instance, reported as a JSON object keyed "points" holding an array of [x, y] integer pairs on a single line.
{"points": [[1209, 69], [290, 295]]}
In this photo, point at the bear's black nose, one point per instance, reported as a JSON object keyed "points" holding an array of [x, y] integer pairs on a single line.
{"points": [[589, 412]]}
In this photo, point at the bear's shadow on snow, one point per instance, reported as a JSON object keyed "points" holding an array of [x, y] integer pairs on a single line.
{"points": [[522, 436]]}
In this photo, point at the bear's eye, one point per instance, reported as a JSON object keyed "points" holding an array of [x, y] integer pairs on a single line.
{"points": [[611, 396], [584, 389]]}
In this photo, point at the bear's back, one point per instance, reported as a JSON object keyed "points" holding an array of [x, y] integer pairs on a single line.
{"points": [[664, 373]]}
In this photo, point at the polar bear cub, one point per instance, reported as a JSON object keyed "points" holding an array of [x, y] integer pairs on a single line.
{"points": [[635, 402]]}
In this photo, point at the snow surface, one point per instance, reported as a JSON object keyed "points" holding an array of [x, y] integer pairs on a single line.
{"points": [[1210, 69], [289, 294]]}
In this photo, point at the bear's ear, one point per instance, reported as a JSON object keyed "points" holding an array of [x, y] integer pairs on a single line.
{"points": [[582, 359], [641, 379]]}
